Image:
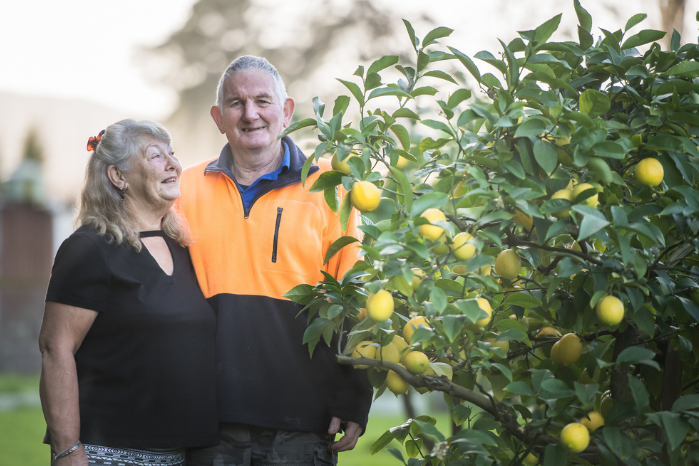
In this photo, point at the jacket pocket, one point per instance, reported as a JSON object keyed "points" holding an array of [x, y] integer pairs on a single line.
{"points": [[276, 234]]}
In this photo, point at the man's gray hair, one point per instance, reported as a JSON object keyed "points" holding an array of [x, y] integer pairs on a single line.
{"points": [[247, 63]]}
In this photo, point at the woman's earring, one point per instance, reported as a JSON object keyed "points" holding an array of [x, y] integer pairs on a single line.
{"points": [[121, 193]]}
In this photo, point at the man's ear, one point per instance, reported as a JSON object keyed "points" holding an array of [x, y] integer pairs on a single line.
{"points": [[289, 106], [218, 119], [117, 178]]}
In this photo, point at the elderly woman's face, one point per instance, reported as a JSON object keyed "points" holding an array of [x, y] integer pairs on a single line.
{"points": [[154, 176]]}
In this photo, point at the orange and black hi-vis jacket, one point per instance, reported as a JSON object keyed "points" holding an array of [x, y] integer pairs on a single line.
{"points": [[245, 260]]}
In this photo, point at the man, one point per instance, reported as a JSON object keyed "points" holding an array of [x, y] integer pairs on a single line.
{"points": [[258, 233]]}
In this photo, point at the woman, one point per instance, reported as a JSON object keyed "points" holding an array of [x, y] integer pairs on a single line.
{"points": [[127, 337]]}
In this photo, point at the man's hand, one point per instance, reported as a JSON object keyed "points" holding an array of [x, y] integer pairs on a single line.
{"points": [[349, 440]]}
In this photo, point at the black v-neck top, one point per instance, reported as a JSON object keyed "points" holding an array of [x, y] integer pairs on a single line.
{"points": [[146, 366]]}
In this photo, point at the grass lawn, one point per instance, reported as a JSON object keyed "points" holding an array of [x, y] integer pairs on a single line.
{"points": [[378, 424], [22, 430]]}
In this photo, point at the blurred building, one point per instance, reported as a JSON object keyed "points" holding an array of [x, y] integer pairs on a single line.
{"points": [[26, 254]]}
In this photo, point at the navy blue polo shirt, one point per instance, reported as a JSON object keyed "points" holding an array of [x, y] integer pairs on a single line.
{"points": [[248, 193]]}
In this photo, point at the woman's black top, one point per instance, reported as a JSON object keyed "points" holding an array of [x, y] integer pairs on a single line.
{"points": [[146, 366]]}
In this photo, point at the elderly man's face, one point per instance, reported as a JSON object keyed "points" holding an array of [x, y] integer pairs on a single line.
{"points": [[251, 115]]}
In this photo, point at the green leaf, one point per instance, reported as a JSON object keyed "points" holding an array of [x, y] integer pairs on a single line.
{"points": [[685, 69], [299, 293], [675, 428], [609, 149], [345, 212], [544, 32], [298, 125], [522, 299], [426, 90], [435, 34], [637, 355], [441, 75], [405, 188], [590, 225], [411, 32], [452, 325], [594, 103], [457, 97], [512, 334], [690, 306], [340, 243], [327, 180], [520, 388], [475, 437], [467, 62], [644, 37], [686, 403], [341, 104], [354, 89], [634, 20], [428, 201], [584, 17], [545, 155], [382, 63], [383, 91], [405, 113], [438, 298], [437, 125], [530, 127], [639, 393], [382, 442], [402, 134], [331, 198], [429, 430]]}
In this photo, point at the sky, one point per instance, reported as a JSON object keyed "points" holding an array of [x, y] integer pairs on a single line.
{"points": [[50, 47], [59, 48]]}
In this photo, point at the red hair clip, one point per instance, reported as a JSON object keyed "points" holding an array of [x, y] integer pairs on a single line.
{"points": [[93, 141]]}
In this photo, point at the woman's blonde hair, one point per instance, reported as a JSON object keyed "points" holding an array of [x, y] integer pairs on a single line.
{"points": [[101, 204]]}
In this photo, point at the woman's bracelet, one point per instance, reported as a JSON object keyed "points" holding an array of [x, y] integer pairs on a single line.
{"points": [[67, 451]]}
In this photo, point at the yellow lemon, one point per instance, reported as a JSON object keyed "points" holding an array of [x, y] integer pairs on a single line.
{"points": [[379, 306], [562, 194], [503, 344], [396, 383], [365, 196], [507, 264], [389, 353], [413, 325], [402, 163], [459, 269], [432, 232], [485, 305], [649, 172], [485, 270], [563, 156], [547, 332], [344, 165], [575, 437], [402, 346], [523, 219], [610, 310], [567, 350], [417, 362], [461, 249], [530, 460], [591, 201], [418, 275], [365, 349], [429, 371], [586, 379], [595, 420]]}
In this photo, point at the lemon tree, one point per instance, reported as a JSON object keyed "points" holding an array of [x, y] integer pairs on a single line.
{"points": [[536, 244]]}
